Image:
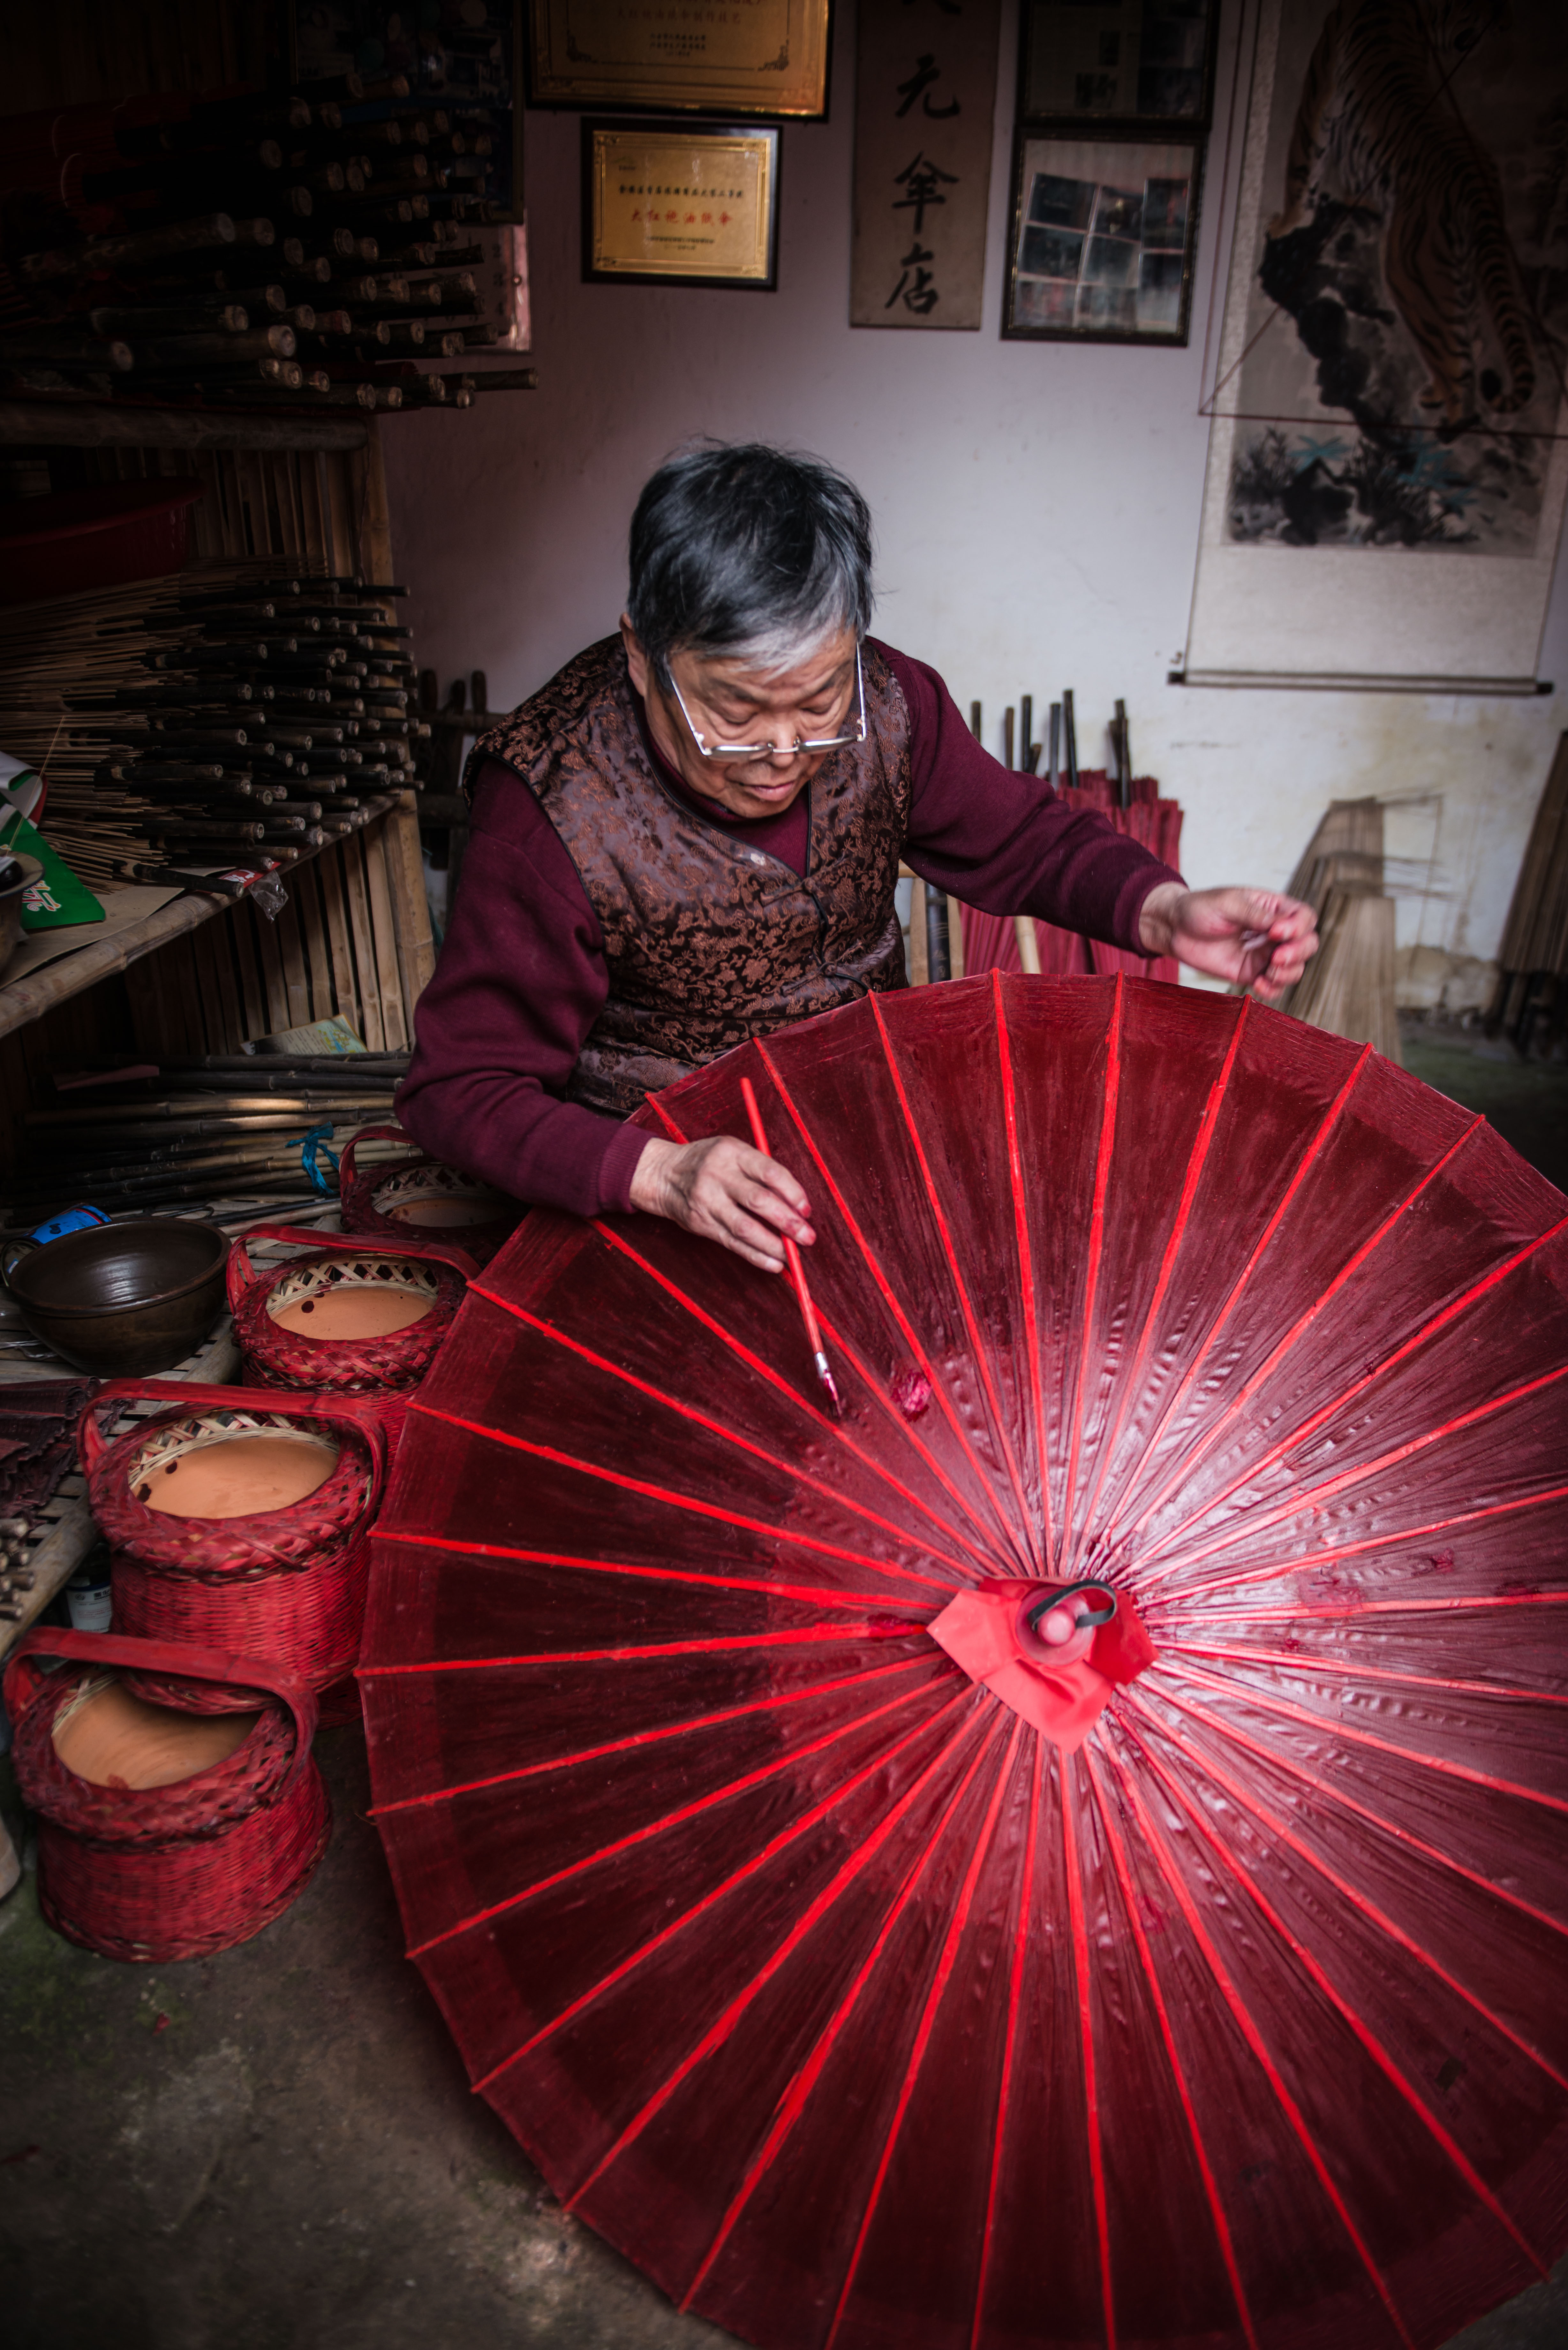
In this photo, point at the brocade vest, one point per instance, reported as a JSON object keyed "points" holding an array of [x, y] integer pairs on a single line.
{"points": [[707, 940]]}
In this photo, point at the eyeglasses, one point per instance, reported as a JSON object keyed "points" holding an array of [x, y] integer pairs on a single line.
{"points": [[742, 752]]}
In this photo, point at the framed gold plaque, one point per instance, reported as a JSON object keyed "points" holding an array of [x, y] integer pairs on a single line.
{"points": [[724, 56], [681, 203]]}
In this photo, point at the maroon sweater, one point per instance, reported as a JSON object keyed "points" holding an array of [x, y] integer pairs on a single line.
{"points": [[521, 974]]}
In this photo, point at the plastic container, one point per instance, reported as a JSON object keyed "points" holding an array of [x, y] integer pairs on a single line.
{"points": [[98, 538]]}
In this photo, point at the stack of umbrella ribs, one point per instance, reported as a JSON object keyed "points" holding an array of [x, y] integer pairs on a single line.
{"points": [[267, 247], [263, 716]]}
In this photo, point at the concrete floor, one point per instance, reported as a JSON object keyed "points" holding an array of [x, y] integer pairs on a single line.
{"points": [[276, 2149]]}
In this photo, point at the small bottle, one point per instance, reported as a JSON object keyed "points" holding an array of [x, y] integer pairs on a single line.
{"points": [[88, 1594]]}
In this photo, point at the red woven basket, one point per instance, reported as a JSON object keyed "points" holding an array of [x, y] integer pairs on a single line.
{"points": [[284, 1586], [383, 1370], [161, 1873], [368, 1201]]}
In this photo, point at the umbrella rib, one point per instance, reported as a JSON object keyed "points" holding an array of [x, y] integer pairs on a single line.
{"points": [[1342, 1729], [836, 1427], [944, 1233], [721, 1645], [1196, 1160], [1309, 1427], [1249, 2032], [1248, 1800], [1145, 1959], [639, 1739], [667, 1820], [1015, 2006], [947, 1961], [1103, 1155], [1080, 1947], [796, 2095], [1314, 1496], [770, 1851], [1025, 1249], [1337, 1611], [1184, 1384], [1352, 1265], [1239, 1575], [1284, 1760], [720, 2030], [1392, 2072], [906, 1328], [812, 1592], [702, 1420], [1309, 1661], [679, 1501]]}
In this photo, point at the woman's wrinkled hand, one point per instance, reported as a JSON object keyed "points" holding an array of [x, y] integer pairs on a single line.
{"points": [[728, 1192], [1254, 938]]}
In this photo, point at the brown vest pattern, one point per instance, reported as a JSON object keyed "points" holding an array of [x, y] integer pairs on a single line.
{"points": [[709, 941]]}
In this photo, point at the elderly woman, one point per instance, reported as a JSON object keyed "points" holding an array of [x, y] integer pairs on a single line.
{"points": [[691, 835]]}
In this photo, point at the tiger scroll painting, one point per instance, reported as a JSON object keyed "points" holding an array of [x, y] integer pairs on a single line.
{"points": [[1388, 455]]}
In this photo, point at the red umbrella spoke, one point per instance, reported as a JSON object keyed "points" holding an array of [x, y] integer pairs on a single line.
{"points": [[859, 2011]]}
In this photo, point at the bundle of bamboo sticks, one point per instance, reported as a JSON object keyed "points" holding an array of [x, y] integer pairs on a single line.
{"points": [[181, 1131], [264, 247], [237, 713]]}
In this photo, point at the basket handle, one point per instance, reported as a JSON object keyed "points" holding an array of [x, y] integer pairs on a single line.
{"points": [[354, 1244], [183, 1395], [370, 1134], [21, 1680]]}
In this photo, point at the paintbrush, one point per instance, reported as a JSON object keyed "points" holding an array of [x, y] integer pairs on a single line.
{"points": [[797, 1270]]}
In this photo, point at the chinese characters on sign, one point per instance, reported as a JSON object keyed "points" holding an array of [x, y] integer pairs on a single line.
{"points": [[925, 96]]}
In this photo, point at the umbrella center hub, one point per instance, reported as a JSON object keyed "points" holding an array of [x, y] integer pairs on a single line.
{"points": [[1054, 1652]]}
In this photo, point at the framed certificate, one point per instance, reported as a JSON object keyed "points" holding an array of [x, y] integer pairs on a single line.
{"points": [[681, 203], [724, 56]]}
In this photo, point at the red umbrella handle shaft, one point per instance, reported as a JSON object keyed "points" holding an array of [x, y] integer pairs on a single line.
{"points": [[791, 1254]]}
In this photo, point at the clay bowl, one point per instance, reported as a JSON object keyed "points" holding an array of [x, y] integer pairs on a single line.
{"points": [[124, 1299], [18, 874]]}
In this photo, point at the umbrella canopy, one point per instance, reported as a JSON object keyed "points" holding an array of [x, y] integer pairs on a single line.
{"points": [[869, 1985]]}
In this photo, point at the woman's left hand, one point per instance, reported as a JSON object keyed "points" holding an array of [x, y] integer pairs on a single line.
{"points": [[1253, 937]]}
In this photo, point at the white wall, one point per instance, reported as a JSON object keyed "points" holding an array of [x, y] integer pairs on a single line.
{"points": [[1037, 510]]}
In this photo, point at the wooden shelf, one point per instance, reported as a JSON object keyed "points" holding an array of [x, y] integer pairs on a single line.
{"points": [[25, 1000], [93, 424]]}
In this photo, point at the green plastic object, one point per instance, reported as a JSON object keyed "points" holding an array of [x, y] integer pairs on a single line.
{"points": [[59, 898]]}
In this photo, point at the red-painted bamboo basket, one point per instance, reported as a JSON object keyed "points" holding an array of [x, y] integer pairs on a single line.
{"points": [[371, 1203], [285, 1587], [155, 1874], [383, 1370]]}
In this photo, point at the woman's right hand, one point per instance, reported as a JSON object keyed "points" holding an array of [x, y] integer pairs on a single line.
{"points": [[729, 1193]]}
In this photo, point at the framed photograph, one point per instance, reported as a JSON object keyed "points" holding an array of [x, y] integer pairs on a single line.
{"points": [[464, 62], [764, 57], [1104, 228], [1119, 60], [681, 203]]}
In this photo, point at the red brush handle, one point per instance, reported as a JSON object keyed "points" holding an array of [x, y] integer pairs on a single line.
{"points": [[791, 1254]]}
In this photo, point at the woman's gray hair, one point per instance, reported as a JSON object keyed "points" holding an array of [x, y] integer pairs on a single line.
{"points": [[747, 549]]}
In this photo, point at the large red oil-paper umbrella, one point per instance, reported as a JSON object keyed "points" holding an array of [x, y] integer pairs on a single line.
{"points": [[874, 1972]]}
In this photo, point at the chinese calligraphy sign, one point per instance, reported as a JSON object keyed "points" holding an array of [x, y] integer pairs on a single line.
{"points": [[924, 99]]}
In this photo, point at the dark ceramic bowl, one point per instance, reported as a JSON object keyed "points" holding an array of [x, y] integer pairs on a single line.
{"points": [[124, 1299]]}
